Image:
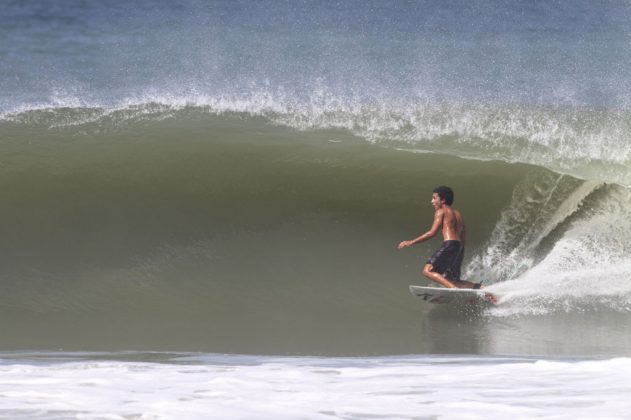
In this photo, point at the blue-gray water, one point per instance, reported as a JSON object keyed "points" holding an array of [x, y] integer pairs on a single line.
{"points": [[234, 176], [314, 54]]}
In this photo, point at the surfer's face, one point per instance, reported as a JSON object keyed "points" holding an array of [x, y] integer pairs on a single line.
{"points": [[436, 201]]}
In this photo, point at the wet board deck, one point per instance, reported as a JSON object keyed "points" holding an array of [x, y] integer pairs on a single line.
{"points": [[444, 295]]}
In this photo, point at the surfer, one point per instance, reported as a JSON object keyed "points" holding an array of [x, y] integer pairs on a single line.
{"points": [[444, 266]]}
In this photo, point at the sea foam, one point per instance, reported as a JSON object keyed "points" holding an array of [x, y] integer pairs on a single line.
{"points": [[230, 387]]}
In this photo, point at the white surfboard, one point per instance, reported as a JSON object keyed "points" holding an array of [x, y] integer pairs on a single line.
{"points": [[445, 295]]}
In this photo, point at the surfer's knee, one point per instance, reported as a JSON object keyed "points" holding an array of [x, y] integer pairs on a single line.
{"points": [[427, 270]]}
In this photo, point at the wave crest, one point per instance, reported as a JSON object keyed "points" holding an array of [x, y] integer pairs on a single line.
{"points": [[591, 144]]}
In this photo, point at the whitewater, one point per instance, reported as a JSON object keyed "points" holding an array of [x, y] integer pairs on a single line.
{"points": [[198, 386]]}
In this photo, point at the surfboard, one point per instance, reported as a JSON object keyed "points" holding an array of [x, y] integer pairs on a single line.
{"points": [[445, 295]]}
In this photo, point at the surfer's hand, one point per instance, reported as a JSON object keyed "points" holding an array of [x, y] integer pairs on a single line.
{"points": [[404, 244]]}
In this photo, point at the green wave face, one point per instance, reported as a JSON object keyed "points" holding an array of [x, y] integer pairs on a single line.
{"points": [[184, 229]]}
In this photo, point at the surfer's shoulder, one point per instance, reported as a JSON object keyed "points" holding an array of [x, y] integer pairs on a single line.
{"points": [[439, 212]]}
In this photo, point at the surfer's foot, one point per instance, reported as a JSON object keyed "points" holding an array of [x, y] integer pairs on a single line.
{"points": [[488, 296], [491, 298], [462, 284]]}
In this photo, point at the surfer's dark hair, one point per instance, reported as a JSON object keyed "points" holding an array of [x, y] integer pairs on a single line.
{"points": [[445, 193]]}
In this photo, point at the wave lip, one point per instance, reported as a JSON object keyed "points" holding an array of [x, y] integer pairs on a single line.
{"points": [[587, 143]]}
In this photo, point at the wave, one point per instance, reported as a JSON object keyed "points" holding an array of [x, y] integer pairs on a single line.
{"points": [[225, 216], [587, 267], [590, 144]]}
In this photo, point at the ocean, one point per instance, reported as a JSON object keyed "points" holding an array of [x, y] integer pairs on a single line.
{"points": [[202, 202]]}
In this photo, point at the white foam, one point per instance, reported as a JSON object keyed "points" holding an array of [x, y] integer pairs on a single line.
{"points": [[313, 388], [540, 203], [588, 267]]}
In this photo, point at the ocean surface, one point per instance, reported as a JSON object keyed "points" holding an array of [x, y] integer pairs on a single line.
{"points": [[202, 202]]}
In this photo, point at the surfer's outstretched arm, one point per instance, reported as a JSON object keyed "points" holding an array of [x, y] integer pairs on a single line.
{"points": [[438, 222]]}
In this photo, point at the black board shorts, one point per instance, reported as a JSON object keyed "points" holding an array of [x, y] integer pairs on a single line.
{"points": [[448, 259]]}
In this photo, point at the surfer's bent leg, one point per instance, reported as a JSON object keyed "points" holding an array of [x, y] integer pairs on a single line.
{"points": [[443, 260], [428, 271], [453, 273]]}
